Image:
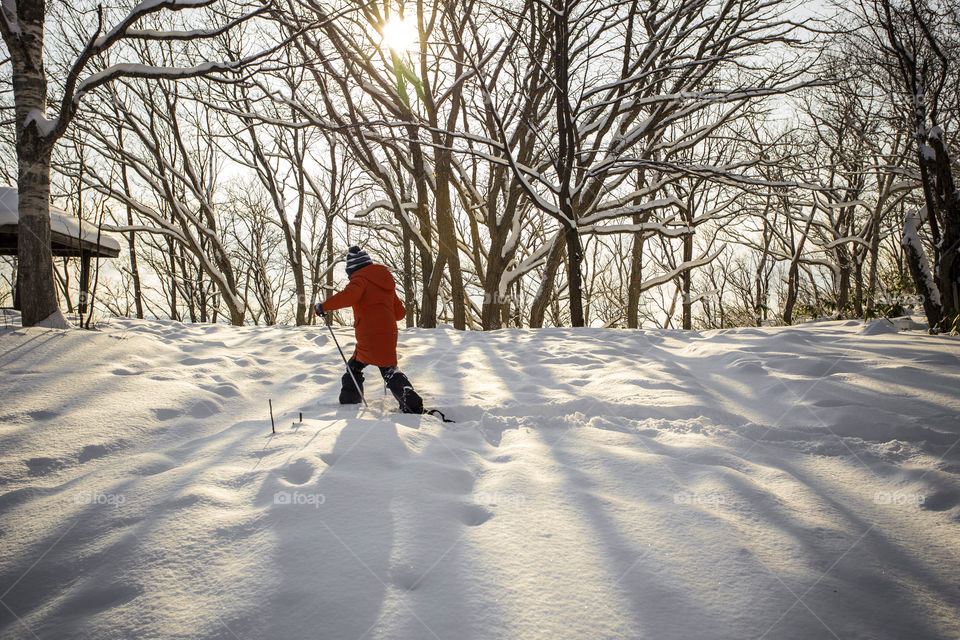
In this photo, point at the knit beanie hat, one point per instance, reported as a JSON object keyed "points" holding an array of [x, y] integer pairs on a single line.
{"points": [[357, 258]]}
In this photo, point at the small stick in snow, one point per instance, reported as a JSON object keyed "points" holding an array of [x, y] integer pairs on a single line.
{"points": [[273, 427]]}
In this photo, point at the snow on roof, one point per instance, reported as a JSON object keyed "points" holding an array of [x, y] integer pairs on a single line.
{"points": [[60, 222]]}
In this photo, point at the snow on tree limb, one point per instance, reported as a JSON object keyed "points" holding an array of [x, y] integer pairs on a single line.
{"points": [[685, 266], [135, 70], [143, 9], [75, 88], [43, 124], [621, 208], [531, 262], [643, 227]]}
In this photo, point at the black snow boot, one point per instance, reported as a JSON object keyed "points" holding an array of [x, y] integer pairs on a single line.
{"points": [[349, 392], [402, 390], [410, 401]]}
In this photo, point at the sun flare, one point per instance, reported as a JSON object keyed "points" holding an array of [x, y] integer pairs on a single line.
{"points": [[398, 34]]}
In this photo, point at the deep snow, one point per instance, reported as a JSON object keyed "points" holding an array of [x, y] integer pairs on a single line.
{"points": [[795, 482]]}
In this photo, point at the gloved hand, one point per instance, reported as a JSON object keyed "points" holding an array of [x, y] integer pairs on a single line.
{"points": [[319, 309]]}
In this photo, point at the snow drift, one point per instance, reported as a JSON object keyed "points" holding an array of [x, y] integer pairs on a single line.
{"points": [[795, 482]]}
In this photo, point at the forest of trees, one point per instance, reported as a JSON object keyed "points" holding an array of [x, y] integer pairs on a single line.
{"points": [[516, 163]]}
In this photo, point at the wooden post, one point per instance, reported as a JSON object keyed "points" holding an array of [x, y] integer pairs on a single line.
{"points": [[16, 286], [84, 282]]}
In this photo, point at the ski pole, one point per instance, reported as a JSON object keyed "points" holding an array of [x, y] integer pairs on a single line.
{"points": [[346, 364]]}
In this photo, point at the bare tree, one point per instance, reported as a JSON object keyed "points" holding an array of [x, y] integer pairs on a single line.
{"points": [[170, 147], [917, 44], [22, 25], [622, 79]]}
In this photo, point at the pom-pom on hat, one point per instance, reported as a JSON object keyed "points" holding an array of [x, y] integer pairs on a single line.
{"points": [[357, 258]]}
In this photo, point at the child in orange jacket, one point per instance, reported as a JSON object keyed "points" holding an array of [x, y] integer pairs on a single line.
{"points": [[376, 311]]}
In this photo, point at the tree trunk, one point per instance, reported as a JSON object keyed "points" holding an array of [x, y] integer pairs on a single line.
{"points": [[431, 292], [843, 294], [793, 277], [172, 253], [874, 258], [37, 291], [636, 278], [132, 247], [491, 311], [492, 315], [575, 275], [566, 159], [920, 271], [685, 283], [408, 297], [447, 236], [16, 284], [62, 280], [858, 287], [948, 202], [38, 298], [497, 312], [328, 278], [545, 293]]}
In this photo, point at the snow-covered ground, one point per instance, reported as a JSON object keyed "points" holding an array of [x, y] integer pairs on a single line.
{"points": [[757, 483]]}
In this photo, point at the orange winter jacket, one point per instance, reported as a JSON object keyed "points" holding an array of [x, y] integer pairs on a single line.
{"points": [[376, 311]]}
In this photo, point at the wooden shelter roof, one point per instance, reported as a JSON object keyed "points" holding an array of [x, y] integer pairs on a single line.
{"points": [[68, 236]]}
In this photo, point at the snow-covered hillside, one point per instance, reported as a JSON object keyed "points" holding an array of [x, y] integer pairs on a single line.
{"points": [[757, 483]]}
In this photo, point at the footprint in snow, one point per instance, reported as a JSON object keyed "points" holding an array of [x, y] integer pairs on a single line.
{"points": [[151, 464], [204, 409], [832, 402], [406, 577], [473, 515], [940, 501], [226, 390], [167, 414], [189, 362], [298, 472], [748, 366], [100, 598], [42, 466], [312, 358], [92, 452]]}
